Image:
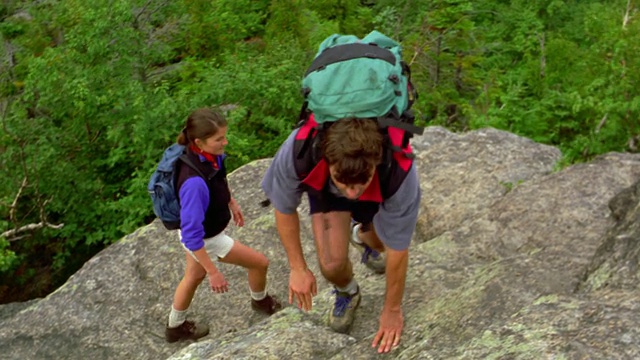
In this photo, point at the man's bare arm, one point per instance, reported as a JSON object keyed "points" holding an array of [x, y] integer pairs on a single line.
{"points": [[396, 273], [391, 318], [302, 282], [288, 226]]}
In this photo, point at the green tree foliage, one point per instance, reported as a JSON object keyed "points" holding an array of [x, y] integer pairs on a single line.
{"points": [[338, 16], [213, 26], [558, 72], [568, 82], [91, 92]]}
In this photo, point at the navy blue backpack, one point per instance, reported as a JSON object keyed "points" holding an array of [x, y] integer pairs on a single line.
{"points": [[162, 185]]}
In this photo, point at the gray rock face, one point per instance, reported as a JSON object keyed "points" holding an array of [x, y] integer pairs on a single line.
{"points": [[512, 259]]}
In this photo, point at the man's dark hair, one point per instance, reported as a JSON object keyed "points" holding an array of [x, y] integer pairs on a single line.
{"points": [[354, 147]]}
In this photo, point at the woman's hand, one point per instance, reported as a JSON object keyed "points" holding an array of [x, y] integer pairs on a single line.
{"points": [[238, 218], [217, 282]]}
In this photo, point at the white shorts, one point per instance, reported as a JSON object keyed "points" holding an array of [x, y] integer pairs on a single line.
{"points": [[217, 247]]}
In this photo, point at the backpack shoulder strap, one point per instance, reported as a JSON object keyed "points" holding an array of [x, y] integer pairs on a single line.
{"points": [[350, 51], [184, 159], [386, 121], [307, 145]]}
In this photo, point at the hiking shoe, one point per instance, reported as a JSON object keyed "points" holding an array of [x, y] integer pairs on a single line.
{"points": [[269, 305], [187, 330], [370, 258], [344, 311]]}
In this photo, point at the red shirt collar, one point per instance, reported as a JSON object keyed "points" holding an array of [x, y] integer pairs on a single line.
{"points": [[319, 175], [212, 159]]}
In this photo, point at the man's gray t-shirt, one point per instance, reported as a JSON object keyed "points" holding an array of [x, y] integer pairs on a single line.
{"points": [[395, 221]]}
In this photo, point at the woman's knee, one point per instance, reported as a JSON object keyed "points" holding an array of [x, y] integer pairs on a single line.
{"points": [[195, 275], [262, 264]]}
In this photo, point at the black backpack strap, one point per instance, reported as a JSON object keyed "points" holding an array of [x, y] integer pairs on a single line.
{"points": [[316, 145], [313, 142], [384, 169], [184, 158], [310, 153], [403, 122], [304, 113], [306, 145], [411, 90], [386, 121], [394, 148], [346, 52]]}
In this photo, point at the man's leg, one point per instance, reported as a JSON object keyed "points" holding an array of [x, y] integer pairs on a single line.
{"points": [[367, 234], [331, 234], [365, 239]]}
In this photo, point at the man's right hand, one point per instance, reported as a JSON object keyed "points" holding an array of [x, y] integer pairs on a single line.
{"points": [[302, 286]]}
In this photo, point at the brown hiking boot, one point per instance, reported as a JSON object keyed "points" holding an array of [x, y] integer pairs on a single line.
{"points": [[187, 330], [344, 311], [269, 305]]}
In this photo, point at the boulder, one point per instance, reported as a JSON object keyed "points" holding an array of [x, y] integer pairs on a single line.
{"points": [[513, 258]]}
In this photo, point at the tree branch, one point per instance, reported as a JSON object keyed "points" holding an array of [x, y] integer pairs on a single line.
{"points": [[625, 19], [633, 143], [14, 205], [10, 53], [543, 58], [602, 122], [9, 235], [144, 8]]}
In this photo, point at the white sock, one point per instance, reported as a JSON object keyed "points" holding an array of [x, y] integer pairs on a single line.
{"points": [[176, 317], [257, 296], [351, 288]]}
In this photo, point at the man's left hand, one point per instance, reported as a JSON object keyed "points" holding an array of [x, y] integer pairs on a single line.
{"points": [[388, 335]]}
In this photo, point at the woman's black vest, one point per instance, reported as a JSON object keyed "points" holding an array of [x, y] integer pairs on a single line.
{"points": [[217, 216]]}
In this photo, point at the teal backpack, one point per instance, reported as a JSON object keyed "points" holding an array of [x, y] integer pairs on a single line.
{"points": [[360, 78]]}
